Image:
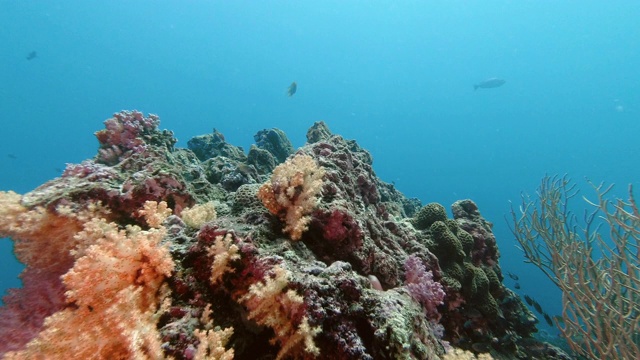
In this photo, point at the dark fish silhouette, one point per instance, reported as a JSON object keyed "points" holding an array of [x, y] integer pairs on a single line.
{"points": [[517, 286], [489, 83], [32, 55], [529, 300], [547, 318], [12, 156], [532, 302], [513, 276], [537, 307], [292, 89]]}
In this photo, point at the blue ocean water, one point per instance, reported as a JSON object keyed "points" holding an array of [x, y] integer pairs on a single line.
{"points": [[396, 76]]}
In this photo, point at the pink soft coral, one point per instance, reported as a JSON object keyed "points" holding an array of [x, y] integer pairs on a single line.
{"points": [[419, 281], [25, 309]]}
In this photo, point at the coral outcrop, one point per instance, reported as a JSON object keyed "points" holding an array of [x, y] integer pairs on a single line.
{"points": [[205, 270]]}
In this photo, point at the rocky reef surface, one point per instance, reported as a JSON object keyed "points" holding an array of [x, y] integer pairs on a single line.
{"points": [[153, 251]]}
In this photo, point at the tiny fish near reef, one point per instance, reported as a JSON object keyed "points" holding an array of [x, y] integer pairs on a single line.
{"points": [[489, 83], [292, 89]]}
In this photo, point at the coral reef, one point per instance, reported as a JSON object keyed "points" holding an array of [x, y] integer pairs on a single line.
{"points": [[303, 254]]}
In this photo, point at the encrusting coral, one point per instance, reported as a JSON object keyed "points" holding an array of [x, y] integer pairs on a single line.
{"points": [[122, 263]]}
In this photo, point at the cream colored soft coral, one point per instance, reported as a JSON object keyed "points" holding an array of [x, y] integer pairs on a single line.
{"points": [[155, 213], [292, 193], [270, 305], [199, 215], [224, 251]]}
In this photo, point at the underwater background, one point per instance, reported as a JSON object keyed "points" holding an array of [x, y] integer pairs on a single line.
{"points": [[398, 77]]}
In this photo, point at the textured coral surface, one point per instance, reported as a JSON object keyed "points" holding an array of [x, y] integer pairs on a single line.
{"points": [[280, 253]]}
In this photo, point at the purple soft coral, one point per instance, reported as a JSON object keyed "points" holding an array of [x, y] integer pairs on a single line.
{"points": [[124, 133], [419, 281]]}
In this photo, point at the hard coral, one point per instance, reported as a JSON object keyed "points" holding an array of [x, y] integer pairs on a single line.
{"points": [[429, 214], [292, 193]]}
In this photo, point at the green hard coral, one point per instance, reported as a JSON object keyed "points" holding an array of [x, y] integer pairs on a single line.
{"points": [[467, 241], [487, 305], [476, 287], [429, 214], [476, 280], [494, 281], [447, 246], [464, 237]]}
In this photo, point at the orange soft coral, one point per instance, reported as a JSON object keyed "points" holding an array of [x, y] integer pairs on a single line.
{"points": [[42, 238], [292, 192], [113, 292]]}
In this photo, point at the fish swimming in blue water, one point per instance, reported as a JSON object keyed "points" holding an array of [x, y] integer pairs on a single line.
{"points": [[292, 89], [32, 55], [489, 83]]}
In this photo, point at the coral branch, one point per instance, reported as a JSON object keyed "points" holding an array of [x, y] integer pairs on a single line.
{"points": [[599, 275]]}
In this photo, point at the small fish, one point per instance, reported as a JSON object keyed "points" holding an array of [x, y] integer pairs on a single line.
{"points": [[489, 83], [517, 286], [292, 89], [529, 300], [513, 276], [547, 318], [32, 55], [537, 307], [12, 156]]}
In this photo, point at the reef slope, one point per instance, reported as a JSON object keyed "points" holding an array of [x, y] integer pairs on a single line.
{"points": [[277, 253]]}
